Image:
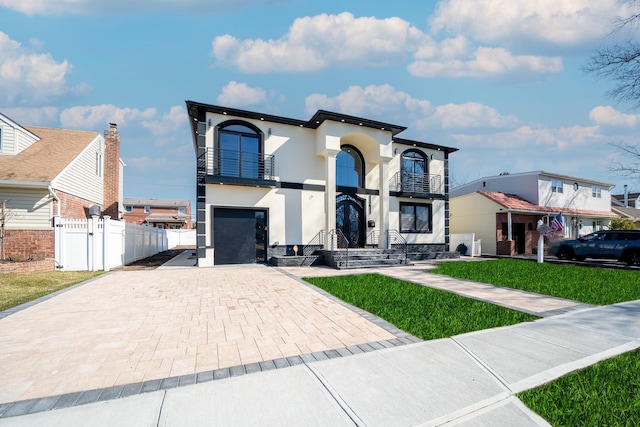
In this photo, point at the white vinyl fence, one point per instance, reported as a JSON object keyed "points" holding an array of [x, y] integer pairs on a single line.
{"points": [[181, 238], [101, 244], [474, 247]]}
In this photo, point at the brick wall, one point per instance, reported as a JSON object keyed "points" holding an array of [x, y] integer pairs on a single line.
{"points": [[139, 216], [21, 245], [530, 224], [111, 172], [72, 207], [27, 266]]}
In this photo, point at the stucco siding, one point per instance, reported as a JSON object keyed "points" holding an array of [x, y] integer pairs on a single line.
{"points": [[474, 213], [295, 216], [80, 178], [572, 197], [27, 208]]}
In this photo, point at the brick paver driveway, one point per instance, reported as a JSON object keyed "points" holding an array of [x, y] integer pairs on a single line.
{"points": [[134, 326]]}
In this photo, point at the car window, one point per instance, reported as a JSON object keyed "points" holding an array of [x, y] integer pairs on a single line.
{"points": [[612, 236], [593, 237]]}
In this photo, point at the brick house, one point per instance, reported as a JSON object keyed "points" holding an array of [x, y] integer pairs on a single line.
{"points": [[168, 214], [47, 173]]}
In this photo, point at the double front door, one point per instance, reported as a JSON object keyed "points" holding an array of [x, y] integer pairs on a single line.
{"points": [[350, 219]]}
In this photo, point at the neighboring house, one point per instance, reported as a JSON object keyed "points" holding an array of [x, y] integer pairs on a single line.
{"points": [[169, 214], [268, 185], [47, 173], [503, 211], [626, 206]]}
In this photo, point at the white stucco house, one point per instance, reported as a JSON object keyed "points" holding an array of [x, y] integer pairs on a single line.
{"points": [[268, 186], [503, 210]]}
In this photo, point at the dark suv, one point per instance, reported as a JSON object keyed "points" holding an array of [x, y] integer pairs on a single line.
{"points": [[623, 245]]}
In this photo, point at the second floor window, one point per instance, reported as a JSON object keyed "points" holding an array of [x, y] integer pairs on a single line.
{"points": [[556, 186], [128, 208], [596, 192], [415, 169], [239, 148], [147, 209], [182, 210]]}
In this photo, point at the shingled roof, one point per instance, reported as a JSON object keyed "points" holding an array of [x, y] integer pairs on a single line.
{"points": [[517, 203], [45, 159]]}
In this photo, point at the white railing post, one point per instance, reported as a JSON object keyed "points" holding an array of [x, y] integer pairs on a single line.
{"points": [[106, 246], [95, 243], [58, 237]]}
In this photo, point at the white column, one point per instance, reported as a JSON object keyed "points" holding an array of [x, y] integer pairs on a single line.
{"points": [[383, 202], [330, 193], [509, 231]]}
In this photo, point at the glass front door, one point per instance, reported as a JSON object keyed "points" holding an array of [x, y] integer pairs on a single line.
{"points": [[350, 220]]}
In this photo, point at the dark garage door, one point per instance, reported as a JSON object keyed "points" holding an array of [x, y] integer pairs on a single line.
{"points": [[239, 236]]}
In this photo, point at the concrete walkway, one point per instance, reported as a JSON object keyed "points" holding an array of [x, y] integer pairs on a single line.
{"points": [[323, 362]]}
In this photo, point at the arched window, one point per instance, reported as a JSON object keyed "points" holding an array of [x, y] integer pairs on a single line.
{"points": [[349, 167], [238, 150], [415, 172]]}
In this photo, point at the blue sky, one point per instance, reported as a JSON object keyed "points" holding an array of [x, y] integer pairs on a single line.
{"points": [[499, 79]]}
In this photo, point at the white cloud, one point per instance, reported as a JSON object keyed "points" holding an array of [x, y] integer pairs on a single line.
{"points": [[35, 116], [381, 101], [539, 138], [166, 127], [318, 42], [554, 22], [470, 115], [97, 116], [96, 7], [31, 78], [236, 94], [484, 62], [611, 117]]}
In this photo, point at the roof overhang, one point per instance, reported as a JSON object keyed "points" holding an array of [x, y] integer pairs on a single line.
{"points": [[21, 184]]}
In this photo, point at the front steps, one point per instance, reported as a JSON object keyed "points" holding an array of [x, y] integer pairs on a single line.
{"points": [[363, 258]]}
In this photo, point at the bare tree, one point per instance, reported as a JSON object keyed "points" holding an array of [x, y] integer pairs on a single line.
{"points": [[621, 61]]}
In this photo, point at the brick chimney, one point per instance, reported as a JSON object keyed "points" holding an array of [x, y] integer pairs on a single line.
{"points": [[111, 175]]}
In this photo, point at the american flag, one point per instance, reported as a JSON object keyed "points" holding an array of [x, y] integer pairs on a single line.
{"points": [[556, 223]]}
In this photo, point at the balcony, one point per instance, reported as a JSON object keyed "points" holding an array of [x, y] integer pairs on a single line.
{"points": [[238, 167], [416, 185]]}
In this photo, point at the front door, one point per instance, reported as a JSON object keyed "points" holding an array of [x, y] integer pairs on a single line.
{"points": [[350, 219]]}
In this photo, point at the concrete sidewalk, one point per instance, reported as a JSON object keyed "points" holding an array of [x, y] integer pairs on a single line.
{"points": [[465, 380], [469, 379]]}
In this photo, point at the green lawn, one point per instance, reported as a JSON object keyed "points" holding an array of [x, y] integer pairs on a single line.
{"points": [[16, 289], [586, 284], [605, 394], [421, 311]]}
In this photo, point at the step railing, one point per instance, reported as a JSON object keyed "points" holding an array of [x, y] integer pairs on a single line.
{"points": [[339, 242], [395, 238], [314, 244], [373, 237]]}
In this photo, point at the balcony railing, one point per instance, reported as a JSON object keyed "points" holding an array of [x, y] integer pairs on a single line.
{"points": [[240, 164], [405, 182]]}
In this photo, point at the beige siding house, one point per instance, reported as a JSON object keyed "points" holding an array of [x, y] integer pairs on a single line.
{"points": [[47, 173], [504, 210]]}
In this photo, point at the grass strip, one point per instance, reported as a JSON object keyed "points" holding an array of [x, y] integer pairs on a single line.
{"points": [[421, 311], [590, 285], [605, 394], [18, 288]]}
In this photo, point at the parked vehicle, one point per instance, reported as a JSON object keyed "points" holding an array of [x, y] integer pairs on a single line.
{"points": [[623, 245]]}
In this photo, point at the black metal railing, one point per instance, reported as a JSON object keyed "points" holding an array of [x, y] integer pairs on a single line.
{"points": [[338, 241], [373, 237], [394, 238], [240, 164], [406, 182], [314, 244]]}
